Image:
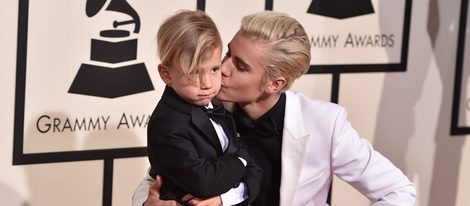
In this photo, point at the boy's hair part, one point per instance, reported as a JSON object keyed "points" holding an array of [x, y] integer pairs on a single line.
{"points": [[186, 39]]}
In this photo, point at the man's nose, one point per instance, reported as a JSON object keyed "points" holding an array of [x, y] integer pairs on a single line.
{"points": [[226, 67]]}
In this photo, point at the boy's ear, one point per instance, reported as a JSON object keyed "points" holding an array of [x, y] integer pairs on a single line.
{"points": [[164, 74], [276, 85]]}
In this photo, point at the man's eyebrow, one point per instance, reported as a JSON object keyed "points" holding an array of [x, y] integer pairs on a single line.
{"points": [[243, 63], [238, 59]]}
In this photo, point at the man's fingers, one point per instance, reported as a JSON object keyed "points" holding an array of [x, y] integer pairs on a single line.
{"points": [[194, 201], [158, 182], [187, 197], [155, 188]]}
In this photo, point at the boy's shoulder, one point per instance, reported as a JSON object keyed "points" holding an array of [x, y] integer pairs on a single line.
{"points": [[167, 112]]}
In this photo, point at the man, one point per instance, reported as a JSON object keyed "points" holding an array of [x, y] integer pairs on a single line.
{"points": [[300, 143]]}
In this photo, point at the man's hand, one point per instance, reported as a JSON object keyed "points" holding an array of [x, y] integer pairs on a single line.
{"points": [[213, 201], [153, 198]]}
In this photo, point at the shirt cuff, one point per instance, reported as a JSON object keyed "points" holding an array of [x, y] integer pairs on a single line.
{"points": [[234, 195]]}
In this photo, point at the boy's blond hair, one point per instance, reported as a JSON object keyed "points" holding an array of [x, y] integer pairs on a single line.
{"points": [[187, 39], [285, 42]]}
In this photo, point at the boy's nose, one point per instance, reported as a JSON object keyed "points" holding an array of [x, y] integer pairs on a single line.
{"points": [[205, 82]]}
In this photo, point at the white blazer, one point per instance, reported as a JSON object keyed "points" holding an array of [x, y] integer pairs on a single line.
{"points": [[318, 142]]}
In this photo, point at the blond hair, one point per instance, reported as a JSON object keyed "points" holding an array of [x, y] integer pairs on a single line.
{"points": [[186, 39], [284, 41]]}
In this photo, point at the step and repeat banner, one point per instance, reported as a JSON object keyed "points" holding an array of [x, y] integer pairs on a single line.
{"points": [[86, 70], [461, 102], [353, 36]]}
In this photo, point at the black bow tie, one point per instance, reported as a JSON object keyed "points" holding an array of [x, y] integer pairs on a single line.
{"points": [[264, 127], [217, 114]]}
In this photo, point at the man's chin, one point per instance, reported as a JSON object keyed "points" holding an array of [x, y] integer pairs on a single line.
{"points": [[221, 97]]}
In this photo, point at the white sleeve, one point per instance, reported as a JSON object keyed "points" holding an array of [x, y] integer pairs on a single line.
{"points": [[142, 191], [402, 196], [356, 162], [234, 195]]}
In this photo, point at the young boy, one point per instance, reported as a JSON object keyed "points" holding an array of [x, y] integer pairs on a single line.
{"points": [[191, 144]]}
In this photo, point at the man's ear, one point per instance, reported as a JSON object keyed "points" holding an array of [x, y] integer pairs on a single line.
{"points": [[276, 86], [164, 74]]}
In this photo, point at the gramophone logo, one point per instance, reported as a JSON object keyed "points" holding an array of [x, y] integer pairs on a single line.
{"points": [[113, 47], [341, 9]]}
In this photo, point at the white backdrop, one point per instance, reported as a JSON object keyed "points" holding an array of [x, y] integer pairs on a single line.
{"points": [[406, 114]]}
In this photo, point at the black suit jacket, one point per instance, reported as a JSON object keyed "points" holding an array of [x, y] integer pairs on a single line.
{"points": [[184, 149]]}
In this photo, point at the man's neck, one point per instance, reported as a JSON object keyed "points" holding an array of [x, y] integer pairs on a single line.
{"points": [[254, 110]]}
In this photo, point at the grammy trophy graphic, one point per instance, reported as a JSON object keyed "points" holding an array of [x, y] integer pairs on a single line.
{"points": [[114, 46], [341, 9]]}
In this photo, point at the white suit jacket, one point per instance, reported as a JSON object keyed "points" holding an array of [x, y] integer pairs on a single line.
{"points": [[318, 142]]}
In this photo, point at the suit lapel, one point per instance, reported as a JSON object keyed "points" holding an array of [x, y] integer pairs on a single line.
{"points": [[198, 117], [294, 143], [229, 129], [202, 122]]}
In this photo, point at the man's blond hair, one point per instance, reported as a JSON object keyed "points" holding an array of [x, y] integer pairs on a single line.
{"points": [[285, 44]]}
